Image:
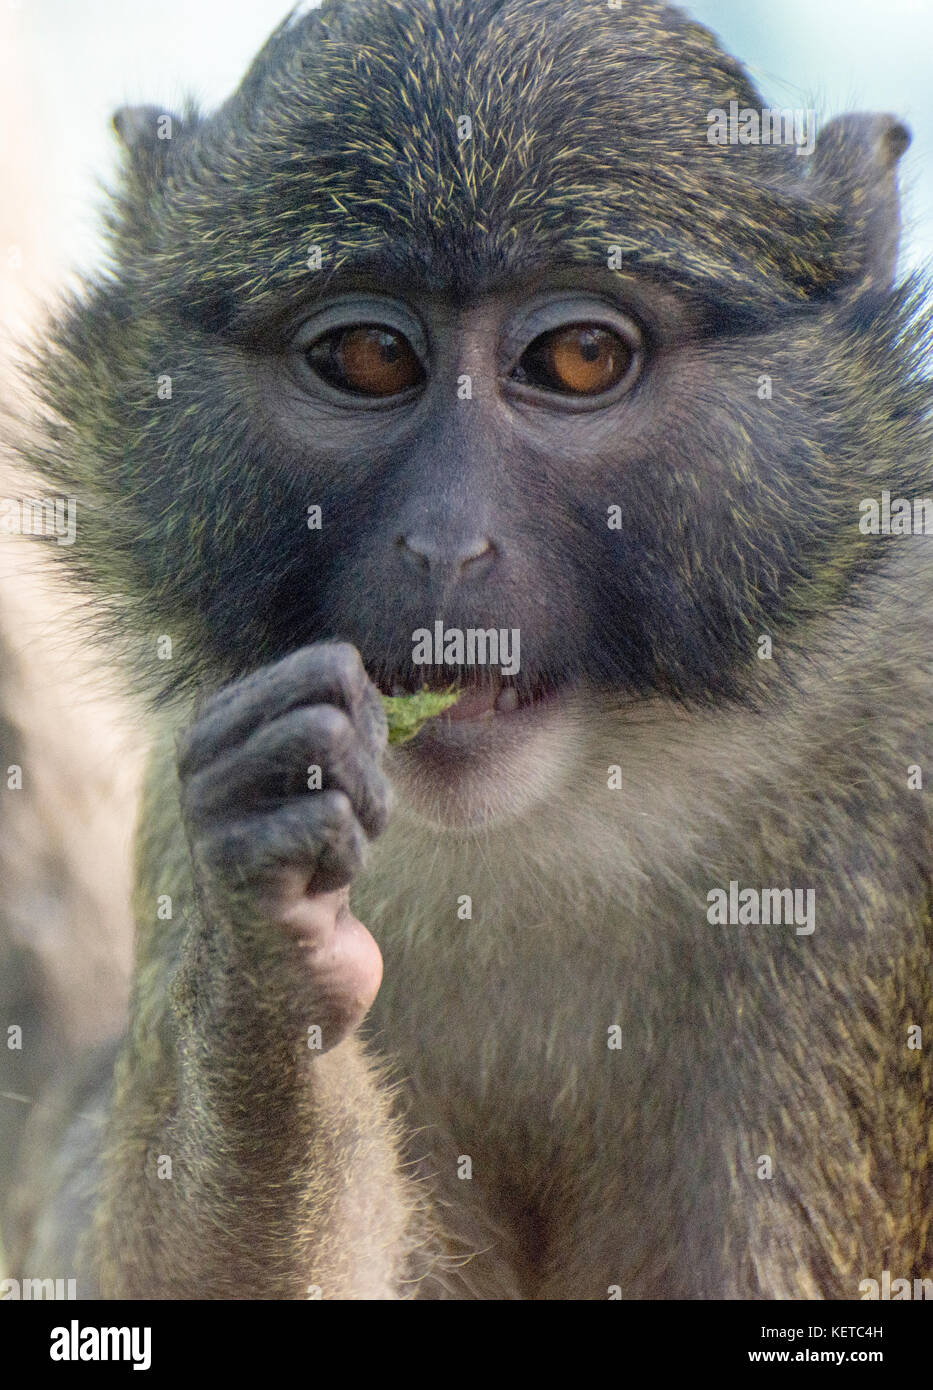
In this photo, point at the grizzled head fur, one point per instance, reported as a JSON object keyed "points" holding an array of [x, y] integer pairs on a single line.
{"points": [[588, 132]]}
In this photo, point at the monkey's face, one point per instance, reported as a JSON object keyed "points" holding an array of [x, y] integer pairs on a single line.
{"points": [[569, 460], [481, 334], [465, 457]]}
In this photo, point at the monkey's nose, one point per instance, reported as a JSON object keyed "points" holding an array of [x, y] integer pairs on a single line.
{"points": [[472, 556]]}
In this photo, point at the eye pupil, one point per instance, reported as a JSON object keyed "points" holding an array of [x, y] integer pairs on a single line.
{"points": [[589, 347], [366, 360]]}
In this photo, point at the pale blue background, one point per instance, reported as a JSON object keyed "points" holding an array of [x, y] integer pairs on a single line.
{"points": [[86, 57]]}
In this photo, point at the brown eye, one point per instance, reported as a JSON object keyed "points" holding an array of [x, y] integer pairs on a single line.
{"points": [[581, 359], [367, 359]]}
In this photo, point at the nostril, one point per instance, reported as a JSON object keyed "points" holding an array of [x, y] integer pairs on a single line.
{"points": [[452, 558], [478, 550], [412, 554]]}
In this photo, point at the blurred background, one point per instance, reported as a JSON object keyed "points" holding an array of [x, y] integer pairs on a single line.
{"points": [[65, 66]]}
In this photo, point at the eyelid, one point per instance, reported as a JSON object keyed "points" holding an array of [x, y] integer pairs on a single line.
{"points": [[352, 313], [560, 312]]}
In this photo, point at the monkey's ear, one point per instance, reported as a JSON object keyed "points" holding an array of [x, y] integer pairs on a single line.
{"points": [[856, 157], [148, 130]]}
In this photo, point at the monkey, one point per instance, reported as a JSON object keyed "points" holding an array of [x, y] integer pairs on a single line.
{"points": [[454, 314]]}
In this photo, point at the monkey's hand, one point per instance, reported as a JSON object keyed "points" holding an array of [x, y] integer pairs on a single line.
{"points": [[281, 788]]}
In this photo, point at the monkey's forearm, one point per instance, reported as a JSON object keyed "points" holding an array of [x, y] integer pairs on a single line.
{"points": [[248, 1126], [243, 1155]]}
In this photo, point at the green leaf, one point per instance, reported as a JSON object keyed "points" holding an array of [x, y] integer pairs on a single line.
{"points": [[407, 713]]}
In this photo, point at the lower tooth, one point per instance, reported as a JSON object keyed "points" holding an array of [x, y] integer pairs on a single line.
{"points": [[508, 700]]}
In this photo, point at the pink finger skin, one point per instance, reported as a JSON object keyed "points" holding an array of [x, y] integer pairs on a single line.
{"points": [[342, 957]]}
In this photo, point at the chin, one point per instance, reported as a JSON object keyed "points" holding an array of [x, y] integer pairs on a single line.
{"points": [[476, 767]]}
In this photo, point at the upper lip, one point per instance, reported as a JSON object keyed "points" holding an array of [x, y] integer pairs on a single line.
{"points": [[477, 696], [479, 693]]}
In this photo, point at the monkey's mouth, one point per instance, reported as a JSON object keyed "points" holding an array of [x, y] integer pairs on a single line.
{"points": [[482, 699], [503, 746]]}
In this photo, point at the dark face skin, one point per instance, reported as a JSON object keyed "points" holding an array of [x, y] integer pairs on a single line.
{"points": [[479, 512], [589, 390], [482, 512]]}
